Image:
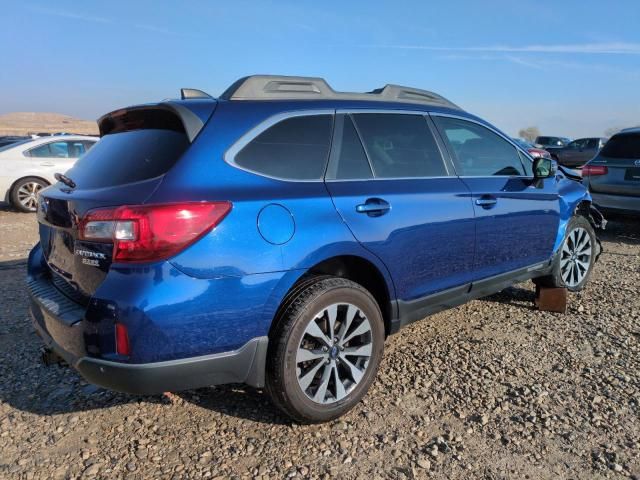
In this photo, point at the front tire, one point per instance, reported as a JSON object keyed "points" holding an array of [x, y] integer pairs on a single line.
{"points": [[24, 194], [325, 350], [574, 261]]}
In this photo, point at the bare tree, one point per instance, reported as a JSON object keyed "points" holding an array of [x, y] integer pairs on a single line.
{"points": [[529, 133]]}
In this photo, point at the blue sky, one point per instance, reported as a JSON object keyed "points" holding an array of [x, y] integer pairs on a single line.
{"points": [[571, 67]]}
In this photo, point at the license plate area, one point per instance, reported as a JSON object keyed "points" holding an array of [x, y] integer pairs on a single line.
{"points": [[632, 174]]}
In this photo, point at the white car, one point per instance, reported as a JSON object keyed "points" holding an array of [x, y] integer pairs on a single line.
{"points": [[29, 166]]}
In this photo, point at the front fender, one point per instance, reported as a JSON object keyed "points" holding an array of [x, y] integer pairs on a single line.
{"points": [[571, 195]]}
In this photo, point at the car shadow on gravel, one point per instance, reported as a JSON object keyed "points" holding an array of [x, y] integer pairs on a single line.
{"points": [[515, 296], [238, 401]]}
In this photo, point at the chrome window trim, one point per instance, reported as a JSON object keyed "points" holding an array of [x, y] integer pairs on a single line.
{"points": [[230, 155], [491, 129], [374, 179]]}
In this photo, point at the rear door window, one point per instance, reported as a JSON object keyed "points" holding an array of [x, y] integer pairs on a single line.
{"points": [[477, 151], [128, 157], [400, 145], [48, 150], [296, 148]]}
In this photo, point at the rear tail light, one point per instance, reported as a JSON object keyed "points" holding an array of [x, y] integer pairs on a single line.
{"points": [[122, 340], [145, 233], [594, 170]]}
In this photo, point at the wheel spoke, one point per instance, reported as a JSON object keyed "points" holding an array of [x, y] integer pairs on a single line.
{"points": [[566, 272], [308, 377], [321, 393], [305, 355], [314, 330], [356, 373], [332, 315], [340, 390], [362, 351], [583, 267], [349, 317], [364, 327]]}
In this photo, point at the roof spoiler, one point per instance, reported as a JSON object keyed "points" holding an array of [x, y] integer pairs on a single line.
{"points": [[169, 115], [271, 87]]}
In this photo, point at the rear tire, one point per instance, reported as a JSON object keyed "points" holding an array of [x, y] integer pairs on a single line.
{"points": [[24, 193], [574, 261], [325, 350]]}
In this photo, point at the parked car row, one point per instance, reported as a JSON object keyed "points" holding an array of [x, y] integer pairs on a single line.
{"points": [[29, 165]]}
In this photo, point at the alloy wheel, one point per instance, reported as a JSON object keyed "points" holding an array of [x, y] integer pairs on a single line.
{"points": [[28, 195], [575, 257], [334, 353]]}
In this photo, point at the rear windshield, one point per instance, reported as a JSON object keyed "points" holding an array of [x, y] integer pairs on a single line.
{"points": [[129, 157], [623, 146]]}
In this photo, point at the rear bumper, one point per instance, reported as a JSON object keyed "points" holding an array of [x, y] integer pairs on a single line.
{"points": [[72, 331], [617, 203], [244, 365]]}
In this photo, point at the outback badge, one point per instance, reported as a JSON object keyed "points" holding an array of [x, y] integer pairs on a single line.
{"points": [[89, 257]]}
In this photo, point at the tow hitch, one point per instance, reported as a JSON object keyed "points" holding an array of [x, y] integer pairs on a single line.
{"points": [[49, 357]]}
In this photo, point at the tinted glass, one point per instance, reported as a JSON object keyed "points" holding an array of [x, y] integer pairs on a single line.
{"points": [[477, 151], [129, 157], [294, 149], [593, 143], [399, 145], [350, 160], [622, 146]]}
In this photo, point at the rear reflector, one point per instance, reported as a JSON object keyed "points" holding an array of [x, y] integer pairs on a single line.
{"points": [[122, 340], [594, 170], [145, 233]]}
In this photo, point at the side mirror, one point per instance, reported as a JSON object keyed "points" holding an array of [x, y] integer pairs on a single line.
{"points": [[544, 168]]}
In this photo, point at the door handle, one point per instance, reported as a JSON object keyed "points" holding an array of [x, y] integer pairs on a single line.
{"points": [[374, 207], [47, 164], [486, 202]]}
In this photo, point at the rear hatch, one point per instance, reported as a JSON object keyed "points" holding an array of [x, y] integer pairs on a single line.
{"points": [[138, 146], [621, 157]]}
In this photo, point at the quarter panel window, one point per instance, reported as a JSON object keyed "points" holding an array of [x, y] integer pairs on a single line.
{"points": [[477, 151], [296, 148], [400, 145], [350, 161]]}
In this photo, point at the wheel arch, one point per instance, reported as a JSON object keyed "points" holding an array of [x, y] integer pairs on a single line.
{"points": [[352, 267]]}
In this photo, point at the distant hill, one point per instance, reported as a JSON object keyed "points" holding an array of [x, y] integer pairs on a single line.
{"points": [[24, 123]]}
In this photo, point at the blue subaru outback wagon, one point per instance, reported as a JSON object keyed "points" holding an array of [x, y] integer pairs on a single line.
{"points": [[276, 235]]}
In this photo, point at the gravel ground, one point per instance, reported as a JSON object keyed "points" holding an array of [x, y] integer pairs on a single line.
{"points": [[493, 389]]}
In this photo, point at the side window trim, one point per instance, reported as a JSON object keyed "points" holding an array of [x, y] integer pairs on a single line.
{"points": [[364, 147], [247, 137], [519, 149]]}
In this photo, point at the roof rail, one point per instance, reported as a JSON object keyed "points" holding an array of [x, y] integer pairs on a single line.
{"points": [[274, 87]]}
